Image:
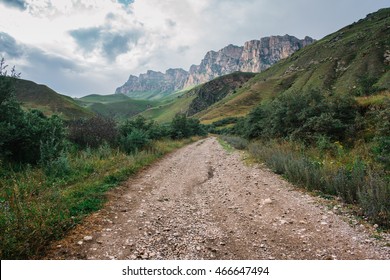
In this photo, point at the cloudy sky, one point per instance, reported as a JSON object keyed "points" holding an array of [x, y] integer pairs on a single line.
{"points": [[80, 47]]}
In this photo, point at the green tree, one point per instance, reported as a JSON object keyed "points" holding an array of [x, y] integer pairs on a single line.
{"points": [[22, 133], [183, 127]]}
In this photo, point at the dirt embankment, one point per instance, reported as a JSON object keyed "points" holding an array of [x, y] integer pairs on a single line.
{"points": [[201, 202]]}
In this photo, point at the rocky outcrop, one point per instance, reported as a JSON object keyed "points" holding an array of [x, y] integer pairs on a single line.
{"points": [[258, 55], [153, 83], [215, 90], [255, 56]]}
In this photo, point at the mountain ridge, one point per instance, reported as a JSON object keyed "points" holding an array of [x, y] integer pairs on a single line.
{"points": [[254, 56], [354, 60]]}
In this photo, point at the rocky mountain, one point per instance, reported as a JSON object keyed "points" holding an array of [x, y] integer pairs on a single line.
{"points": [[215, 90], [254, 56], [153, 83], [354, 61]]}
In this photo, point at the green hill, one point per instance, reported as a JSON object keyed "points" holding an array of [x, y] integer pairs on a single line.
{"points": [[354, 60], [43, 98], [199, 98], [116, 106]]}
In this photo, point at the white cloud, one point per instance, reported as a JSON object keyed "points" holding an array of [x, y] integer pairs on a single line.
{"points": [[107, 40]]}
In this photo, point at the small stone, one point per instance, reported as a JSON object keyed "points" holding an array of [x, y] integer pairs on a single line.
{"points": [[198, 248], [267, 201], [80, 243], [282, 222], [324, 223], [88, 238]]}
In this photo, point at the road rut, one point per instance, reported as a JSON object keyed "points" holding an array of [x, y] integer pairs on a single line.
{"points": [[202, 202]]}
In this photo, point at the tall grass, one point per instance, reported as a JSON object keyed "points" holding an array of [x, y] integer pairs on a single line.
{"points": [[355, 182], [332, 170], [37, 207]]}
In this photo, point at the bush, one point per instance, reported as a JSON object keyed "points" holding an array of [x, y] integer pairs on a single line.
{"points": [[93, 132], [134, 141], [302, 116], [22, 134], [237, 142], [183, 127], [151, 129], [382, 138]]}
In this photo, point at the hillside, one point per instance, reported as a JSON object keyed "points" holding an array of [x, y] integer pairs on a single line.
{"points": [[34, 96], [199, 98], [116, 106], [354, 60]]}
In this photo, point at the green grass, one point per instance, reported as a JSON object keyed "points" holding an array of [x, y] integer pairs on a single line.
{"points": [[348, 175], [41, 97], [165, 113], [96, 98], [36, 209], [225, 145], [117, 106]]}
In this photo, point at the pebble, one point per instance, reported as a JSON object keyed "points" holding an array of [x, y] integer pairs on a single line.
{"points": [[88, 238], [267, 201]]}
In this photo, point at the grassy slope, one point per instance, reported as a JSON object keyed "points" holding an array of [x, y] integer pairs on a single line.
{"points": [[115, 106], [336, 63], [165, 113], [224, 85], [34, 96]]}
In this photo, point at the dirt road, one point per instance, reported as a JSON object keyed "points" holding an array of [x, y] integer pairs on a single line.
{"points": [[202, 202]]}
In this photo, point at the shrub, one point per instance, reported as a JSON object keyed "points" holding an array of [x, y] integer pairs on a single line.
{"points": [[382, 138], [183, 127], [302, 116], [93, 132], [151, 129], [134, 141], [237, 142], [22, 134]]}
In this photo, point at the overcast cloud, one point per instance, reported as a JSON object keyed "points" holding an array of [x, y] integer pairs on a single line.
{"points": [[79, 47]]}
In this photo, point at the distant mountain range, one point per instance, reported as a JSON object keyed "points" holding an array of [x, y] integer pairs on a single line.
{"points": [[255, 56]]}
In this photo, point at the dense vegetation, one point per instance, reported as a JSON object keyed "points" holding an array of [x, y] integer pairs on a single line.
{"points": [[325, 142], [54, 172]]}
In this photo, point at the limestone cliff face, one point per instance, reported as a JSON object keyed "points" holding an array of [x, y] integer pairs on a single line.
{"points": [[153, 83], [254, 56]]}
